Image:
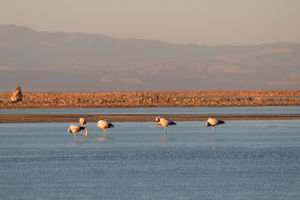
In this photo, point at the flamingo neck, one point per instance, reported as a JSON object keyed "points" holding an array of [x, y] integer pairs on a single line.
{"points": [[208, 124]]}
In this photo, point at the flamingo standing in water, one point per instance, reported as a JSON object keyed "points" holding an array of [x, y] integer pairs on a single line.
{"points": [[74, 129], [164, 122], [83, 122], [213, 122], [104, 124]]}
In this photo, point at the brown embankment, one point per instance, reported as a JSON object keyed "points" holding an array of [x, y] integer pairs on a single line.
{"points": [[152, 98], [45, 118]]}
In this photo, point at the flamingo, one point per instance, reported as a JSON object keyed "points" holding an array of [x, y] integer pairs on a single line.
{"points": [[74, 129], [83, 122], [213, 122], [104, 124], [164, 122]]}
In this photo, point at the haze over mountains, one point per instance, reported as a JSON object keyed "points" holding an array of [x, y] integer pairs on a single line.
{"points": [[75, 61]]}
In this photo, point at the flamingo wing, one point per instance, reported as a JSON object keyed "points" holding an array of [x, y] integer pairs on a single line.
{"points": [[213, 122], [166, 122], [73, 128], [105, 124], [102, 124], [221, 122], [110, 125]]}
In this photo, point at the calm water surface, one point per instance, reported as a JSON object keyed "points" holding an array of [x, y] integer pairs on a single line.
{"points": [[248, 160], [154, 110]]}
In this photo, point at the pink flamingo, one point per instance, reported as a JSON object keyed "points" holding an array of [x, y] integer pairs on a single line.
{"points": [[164, 122], [213, 122], [83, 122], [104, 124], [74, 129]]}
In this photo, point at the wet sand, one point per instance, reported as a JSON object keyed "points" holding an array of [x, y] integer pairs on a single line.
{"points": [[48, 118]]}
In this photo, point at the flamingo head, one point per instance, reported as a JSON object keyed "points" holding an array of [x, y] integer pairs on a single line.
{"points": [[82, 121], [69, 130], [157, 120], [208, 124]]}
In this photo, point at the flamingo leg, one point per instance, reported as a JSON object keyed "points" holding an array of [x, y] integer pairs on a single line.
{"points": [[104, 133], [74, 138], [165, 132], [213, 131]]}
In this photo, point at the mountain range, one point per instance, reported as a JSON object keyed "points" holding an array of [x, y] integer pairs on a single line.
{"points": [[59, 61]]}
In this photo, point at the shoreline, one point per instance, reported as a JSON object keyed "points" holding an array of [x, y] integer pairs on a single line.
{"points": [[61, 118]]}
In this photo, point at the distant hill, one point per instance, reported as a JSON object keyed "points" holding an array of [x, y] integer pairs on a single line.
{"points": [[77, 61]]}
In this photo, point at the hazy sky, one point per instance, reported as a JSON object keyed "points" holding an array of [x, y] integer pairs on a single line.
{"points": [[207, 22]]}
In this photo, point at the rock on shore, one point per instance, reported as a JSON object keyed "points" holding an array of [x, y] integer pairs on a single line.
{"points": [[152, 99]]}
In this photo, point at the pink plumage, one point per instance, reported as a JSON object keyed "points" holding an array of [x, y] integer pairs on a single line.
{"points": [[164, 122]]}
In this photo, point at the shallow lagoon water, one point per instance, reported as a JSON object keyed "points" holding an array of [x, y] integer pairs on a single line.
{"points": [[248, 160]]}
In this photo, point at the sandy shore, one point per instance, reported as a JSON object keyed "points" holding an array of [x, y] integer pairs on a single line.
{"points": [[147, 99], [45, 118], [152, 99]]}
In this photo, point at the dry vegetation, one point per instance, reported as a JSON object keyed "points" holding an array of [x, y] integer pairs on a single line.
{"points": [[152, 98]]}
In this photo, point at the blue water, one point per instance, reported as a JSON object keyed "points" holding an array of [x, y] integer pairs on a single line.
{"points": [[248, 160], [157, 110]]}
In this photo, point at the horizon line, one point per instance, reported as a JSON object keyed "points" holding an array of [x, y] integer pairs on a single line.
{"points": [[148, 39]]}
